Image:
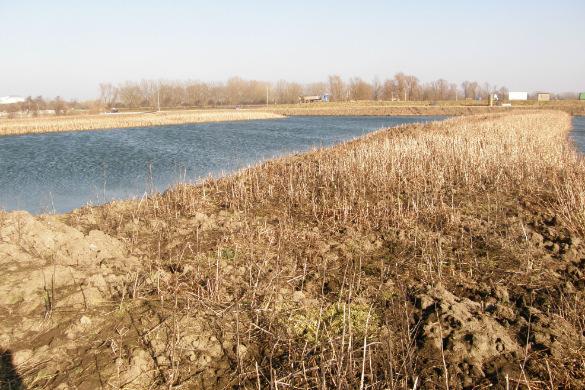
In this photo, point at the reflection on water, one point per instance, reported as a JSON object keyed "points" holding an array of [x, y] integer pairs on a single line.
{"points": [[62, 171]]}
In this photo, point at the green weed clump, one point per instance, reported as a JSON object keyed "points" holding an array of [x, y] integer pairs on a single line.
{"points": [[337, 320]]}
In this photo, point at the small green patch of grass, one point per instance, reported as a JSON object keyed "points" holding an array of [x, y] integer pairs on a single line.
{"points": [[315, 325]]}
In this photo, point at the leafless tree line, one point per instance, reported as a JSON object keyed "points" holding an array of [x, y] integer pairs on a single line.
{"points": [[35, 106], [404, 87], [237, 91]]}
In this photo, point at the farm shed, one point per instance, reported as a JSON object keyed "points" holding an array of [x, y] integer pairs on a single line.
{"points": [[543, 96], [518, 96]]}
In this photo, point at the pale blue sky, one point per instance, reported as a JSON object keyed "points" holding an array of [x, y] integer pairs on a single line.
{"points": [[68, 47]]}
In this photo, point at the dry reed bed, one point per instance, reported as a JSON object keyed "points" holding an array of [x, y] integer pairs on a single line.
{"points": [[108, 121], [357, 109], [443, 255], [374, 180], [417, 108], [530, 104]]}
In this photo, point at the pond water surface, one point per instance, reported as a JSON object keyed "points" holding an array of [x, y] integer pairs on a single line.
{"points": [[578, 133], [58, 172]]}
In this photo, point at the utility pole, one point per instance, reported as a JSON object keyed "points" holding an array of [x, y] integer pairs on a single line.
{"points": [[267, 96], [158, 96]]}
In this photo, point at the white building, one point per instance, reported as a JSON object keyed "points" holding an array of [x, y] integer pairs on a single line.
{"points": [[11, 99], [517, 96]]}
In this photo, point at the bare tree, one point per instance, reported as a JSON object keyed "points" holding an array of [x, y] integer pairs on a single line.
{"points": [[400, 80], [318, 88], [453, 92], [470, 89], [376, 88], [359, 89], [503, 93], [436, 90], [413, 88], [130, 95], [59, 106], [108, 94], [286, 92], [337, 88], [389, 90], [198, 93]]}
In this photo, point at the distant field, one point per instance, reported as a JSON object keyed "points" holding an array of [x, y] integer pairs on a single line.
{"points": [[444, 103], [108, 121], [357, 108], [461, 107]]}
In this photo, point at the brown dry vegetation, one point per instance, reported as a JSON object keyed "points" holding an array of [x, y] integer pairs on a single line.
{"points": [[15, 126], [443, 255], [420, 108], [359, 109], [95, 122]]}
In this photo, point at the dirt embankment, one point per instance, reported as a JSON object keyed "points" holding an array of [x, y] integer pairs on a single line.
{"points": [[110, 121], [444, 255], [356, 109]]}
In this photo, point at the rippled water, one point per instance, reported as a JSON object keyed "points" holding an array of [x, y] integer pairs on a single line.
{"points": [[62, 171], [578, 133]]}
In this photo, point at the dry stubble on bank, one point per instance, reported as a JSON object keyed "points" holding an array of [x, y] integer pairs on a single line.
{"points": [[444, 255], [109, 121], [450, 108]]}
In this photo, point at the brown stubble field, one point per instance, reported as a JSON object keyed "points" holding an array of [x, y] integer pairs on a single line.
{"points": [[439, 255], [81, 122], [449, 108], [51, 124]]}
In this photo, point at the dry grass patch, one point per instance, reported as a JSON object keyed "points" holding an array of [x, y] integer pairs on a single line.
{"points": [[108, 121], [440, 255], [462, 107]]}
